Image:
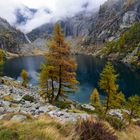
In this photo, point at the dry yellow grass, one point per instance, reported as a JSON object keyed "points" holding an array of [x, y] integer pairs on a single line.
{"points": [[42, 128], [131, 133], [46, 128]]}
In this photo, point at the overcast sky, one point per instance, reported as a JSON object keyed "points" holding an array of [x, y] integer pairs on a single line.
{"points": [[58, 8]]}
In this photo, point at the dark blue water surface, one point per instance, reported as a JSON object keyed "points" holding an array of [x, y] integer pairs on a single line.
{"points": [[88, 74]]}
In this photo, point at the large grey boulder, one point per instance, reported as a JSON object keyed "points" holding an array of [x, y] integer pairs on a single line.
{"points": [[17, 98], [88, 106], [43, 109], [117, 113], [6, 103], [27, 104]]}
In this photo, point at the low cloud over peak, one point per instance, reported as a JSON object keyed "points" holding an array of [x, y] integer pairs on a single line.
{"points": [[34, 13]]}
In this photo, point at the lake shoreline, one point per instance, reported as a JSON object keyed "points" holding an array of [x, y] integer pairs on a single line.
{"points": [[10, 55]]}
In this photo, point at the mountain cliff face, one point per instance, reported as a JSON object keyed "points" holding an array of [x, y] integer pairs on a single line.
{"points": [[10, 38], [72, 26], [115, 32], [113, 19]]}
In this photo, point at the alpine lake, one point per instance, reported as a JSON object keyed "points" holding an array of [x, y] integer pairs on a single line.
{"points": [[88, 74]]}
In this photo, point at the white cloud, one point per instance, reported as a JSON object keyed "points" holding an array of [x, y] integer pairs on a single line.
{"points": [[59, 9]]}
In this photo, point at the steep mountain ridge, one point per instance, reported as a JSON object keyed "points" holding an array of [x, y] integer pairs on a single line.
{"points": [[10, 38]]}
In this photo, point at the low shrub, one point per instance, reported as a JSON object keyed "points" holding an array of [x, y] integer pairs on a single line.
{"points": [[116, 123], [63, 104], [28, 98], [91, 130]]}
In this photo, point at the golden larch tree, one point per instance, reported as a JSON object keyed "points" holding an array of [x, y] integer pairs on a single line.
{"points": [[94, 98], [25, 77], [108, 84], [63, 65]]}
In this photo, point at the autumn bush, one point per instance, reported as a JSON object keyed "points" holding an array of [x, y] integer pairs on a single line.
{"points": [[90, 130]]}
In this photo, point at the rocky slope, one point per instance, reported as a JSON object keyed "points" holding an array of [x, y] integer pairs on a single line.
{"points": [[16, 99], [10, 38]]}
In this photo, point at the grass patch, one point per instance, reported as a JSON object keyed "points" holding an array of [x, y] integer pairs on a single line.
{"points": [[131, 133]]}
